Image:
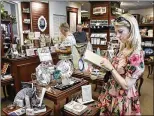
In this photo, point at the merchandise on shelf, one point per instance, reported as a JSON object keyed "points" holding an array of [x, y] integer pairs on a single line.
{"points": [[26, 10]]}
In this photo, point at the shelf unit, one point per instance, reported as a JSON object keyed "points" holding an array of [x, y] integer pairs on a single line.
{"points": [[147, 39], [26, 14], [104, 28], [85, 22], [7, 36]]}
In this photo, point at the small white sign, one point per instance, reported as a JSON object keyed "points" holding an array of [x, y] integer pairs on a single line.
{"points": [[86, 93], [99, 10], [29, 111], [53, 49], [44, 54], [31, 35], [37, 35], [30, 52]]}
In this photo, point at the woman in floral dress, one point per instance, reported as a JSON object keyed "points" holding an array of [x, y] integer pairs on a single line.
{"points": [[119, 95]]}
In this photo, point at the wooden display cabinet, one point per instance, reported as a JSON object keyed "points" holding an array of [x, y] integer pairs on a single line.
{"points": [[147, 38], [22, 68], [105, 6], [86, 23], [31, 12], [149, 58], [26, 14]]}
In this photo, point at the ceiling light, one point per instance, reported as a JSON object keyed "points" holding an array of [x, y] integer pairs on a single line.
{"points": [[83, 11]]}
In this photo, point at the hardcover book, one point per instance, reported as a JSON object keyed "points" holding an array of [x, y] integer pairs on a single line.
{"points": [[75, 108], [93, 58]]}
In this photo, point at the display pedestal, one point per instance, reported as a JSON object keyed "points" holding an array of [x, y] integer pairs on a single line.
{"points": [[92, 111]]}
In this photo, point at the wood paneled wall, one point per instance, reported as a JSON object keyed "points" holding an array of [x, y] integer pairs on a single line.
{"points": [[39, 9]]}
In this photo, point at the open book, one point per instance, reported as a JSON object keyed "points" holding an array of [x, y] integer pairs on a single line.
{"points": [[93, 58]]}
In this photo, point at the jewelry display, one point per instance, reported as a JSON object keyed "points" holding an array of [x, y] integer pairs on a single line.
{"points": [[66, 68], [76, 108], [44, 73], [69, 84]]}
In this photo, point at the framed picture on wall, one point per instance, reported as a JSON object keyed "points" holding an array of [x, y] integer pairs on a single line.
{"points": [[137, 16]]}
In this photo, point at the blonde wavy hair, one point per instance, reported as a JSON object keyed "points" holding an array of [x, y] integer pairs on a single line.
{"points": [[134, 41], [65, 26]]}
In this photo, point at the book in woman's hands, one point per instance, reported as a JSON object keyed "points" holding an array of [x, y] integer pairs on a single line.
{"points": [[93, 58]]}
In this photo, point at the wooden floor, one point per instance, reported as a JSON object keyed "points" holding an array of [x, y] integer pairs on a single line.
{"points": [[147, 92], [146, 99]]}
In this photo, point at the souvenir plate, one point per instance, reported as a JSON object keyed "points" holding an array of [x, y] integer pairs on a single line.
{"points": [[148, 51], [81, 64], [77, 107], [66, 68]]}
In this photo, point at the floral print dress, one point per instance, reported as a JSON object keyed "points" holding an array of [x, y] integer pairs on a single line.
{"points": [[114, 100]]}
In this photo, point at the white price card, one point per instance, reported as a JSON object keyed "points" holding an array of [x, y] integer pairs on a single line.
{"points": [[37, 35], [30, 52], [44, 54], [31, 35], [86, 93]]}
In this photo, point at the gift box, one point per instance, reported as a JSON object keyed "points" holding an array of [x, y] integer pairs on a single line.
{"points": [[75, 108]]}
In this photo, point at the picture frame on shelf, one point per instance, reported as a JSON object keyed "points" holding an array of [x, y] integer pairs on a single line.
{"points": [[99, 10]]}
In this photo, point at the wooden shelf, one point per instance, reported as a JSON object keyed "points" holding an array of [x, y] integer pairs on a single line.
{"points": [[148, 46], [149, 55], [144, 39], [26, 12], [85, 28], [108, 28], [5, 21], [99, 30], [146, 25], [147, 37], [26, 23], [103, 47], [26, 15]]}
